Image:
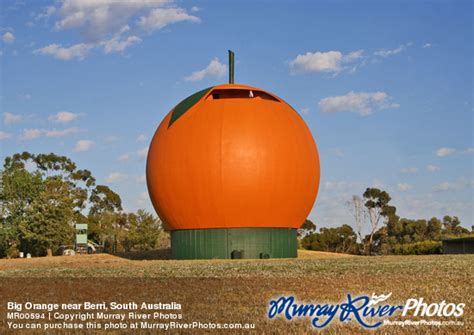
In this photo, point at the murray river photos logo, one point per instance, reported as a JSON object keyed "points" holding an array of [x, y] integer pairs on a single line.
{"points": [[369, 312]]}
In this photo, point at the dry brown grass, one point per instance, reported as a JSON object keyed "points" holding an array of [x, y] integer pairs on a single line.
{"points": [[239, 290], [306, 254]]}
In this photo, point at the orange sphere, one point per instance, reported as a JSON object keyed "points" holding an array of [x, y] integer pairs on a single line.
{"points": [[233, 156]]}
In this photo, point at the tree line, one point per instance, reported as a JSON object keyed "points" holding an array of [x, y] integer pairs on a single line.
{"points": [[42, 198], [388, 233]]}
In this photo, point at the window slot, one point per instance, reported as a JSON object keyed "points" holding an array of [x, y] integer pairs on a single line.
{"points": [[240, 94]]}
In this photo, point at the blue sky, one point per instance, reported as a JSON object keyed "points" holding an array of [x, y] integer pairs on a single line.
{"points": [[385, 87]]}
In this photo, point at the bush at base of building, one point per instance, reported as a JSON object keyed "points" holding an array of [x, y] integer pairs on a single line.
{"points": [[418, 248]]}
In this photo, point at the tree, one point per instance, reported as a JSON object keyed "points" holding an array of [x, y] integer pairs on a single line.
{"points": [[376, 202], [43, 196], [341, 239], [105, 218], [50, 218], [307, 228], [20, 188], [406, 236], [452, 226], [356, 207], [434, 229], [41, 203], [103, 200], [145, 232]]}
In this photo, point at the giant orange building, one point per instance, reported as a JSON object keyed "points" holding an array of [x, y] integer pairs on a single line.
{"points": [[233, 172]]}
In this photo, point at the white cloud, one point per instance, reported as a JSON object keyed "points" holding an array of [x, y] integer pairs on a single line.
{"points": [[99, 18], [403, 187], [362, 103], [111, 139], [377, 183], [124, 157], [161, 17], [81, 50], [12, 5], [214, 69], [344, 186], [10, 118], [46, 14], [427, 45], [330, 186], [140, 179], [142, 153], [195, 9], [83, 145], [116, 177], [78, 51], [30, 134], [60, 133], [331, 61], [25, 96], [446, 186], [317, 62], [4, 135], [143, 199], [431, 205], [305, 111], [392, 52], [105, 24], [410, 170], [63, 117], [352, 56], [119, 44], [457, 185], [336, 152], [141, 138], [8, 37], [433, 168], [443, 152]]}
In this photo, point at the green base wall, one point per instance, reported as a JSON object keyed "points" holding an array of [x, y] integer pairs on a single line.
{"points": [[222, 242]]}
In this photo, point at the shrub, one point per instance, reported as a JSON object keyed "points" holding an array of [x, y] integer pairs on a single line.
{"points": [[418, 248]]}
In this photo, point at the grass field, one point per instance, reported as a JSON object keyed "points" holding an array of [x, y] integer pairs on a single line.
{"points": [[239, 290]]}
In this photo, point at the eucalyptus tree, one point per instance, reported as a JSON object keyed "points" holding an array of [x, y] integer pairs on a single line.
{"points": [[43, 196], [378, 209]]}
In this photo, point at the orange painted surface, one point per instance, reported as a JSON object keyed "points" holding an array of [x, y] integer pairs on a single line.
{"points": [[231, 163]]}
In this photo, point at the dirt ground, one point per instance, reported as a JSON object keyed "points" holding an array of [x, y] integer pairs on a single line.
{"points": [[239, 291]]}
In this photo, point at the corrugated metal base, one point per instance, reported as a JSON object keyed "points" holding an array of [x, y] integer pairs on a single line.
{"points": [[234, 242]]}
